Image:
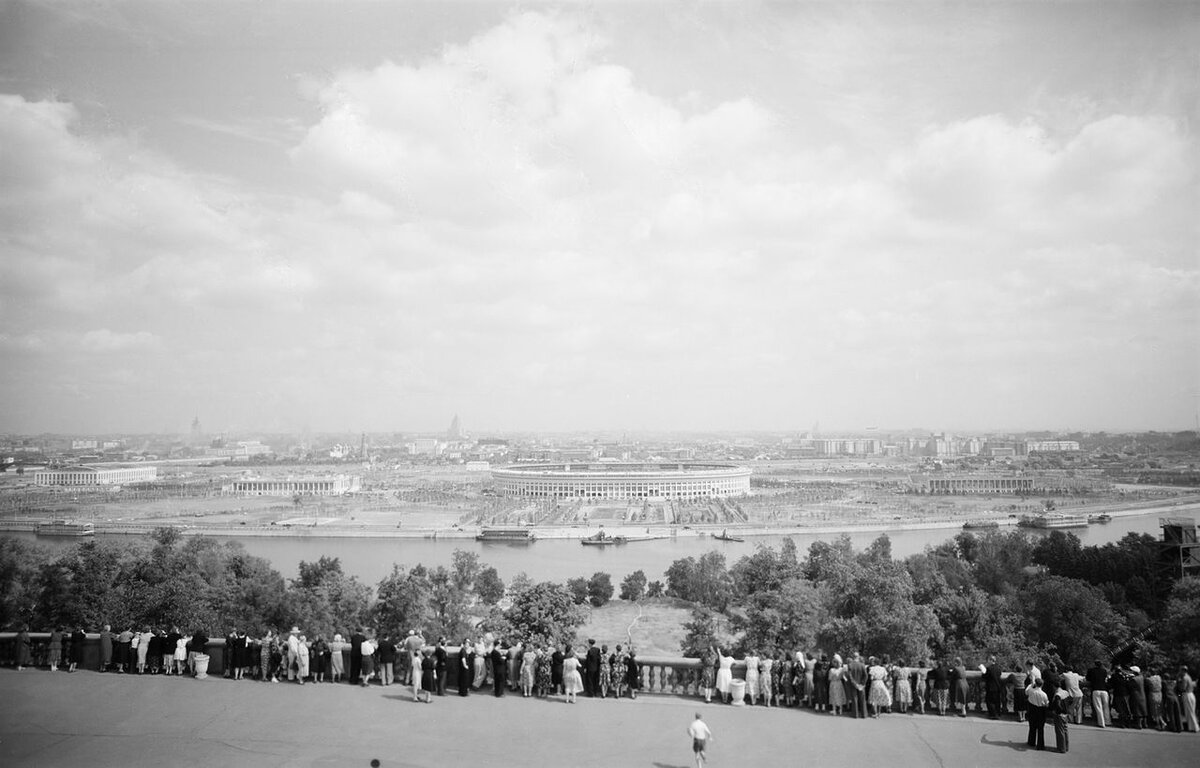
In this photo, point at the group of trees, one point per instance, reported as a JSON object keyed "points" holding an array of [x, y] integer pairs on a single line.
{"points": [[199, 583], [1003, 593], [975, 595]]}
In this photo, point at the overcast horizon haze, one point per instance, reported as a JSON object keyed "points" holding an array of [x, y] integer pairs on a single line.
{"points": [[641, 217]]}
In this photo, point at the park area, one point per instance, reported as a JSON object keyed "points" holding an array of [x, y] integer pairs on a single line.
{"points": [[55, 719]]}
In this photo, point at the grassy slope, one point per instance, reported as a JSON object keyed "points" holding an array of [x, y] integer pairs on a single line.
{"points": [[657, 633]]}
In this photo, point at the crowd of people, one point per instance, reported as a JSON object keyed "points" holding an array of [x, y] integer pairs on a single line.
{"points": [[1123, 695], [1120, 696], [362, 658]]}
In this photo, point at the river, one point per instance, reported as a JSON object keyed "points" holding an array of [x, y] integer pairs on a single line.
{"points": [[560, 559]]}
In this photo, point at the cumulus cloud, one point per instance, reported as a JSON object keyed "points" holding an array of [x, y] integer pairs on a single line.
{"points": [[519, 224]]}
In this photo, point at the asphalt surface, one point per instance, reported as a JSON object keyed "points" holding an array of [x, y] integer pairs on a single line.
{"points": [[92, 719]]}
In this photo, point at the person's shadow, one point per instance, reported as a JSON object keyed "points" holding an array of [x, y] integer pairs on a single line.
{"points": [[1019, 746], [665, 765]]}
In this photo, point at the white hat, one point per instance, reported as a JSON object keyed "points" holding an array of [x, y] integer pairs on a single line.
{"points": [[294, 631], [1135, 670]]}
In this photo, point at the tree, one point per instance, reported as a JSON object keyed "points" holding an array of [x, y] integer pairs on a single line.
{"points": [[703, 581], [19, 565], [1072, 616], [700, 633], [599, 588], [466, 569], [578, 589], [326, 600], [1179, 631], [544, 613], [786, 618], [488, 586], [655, 589], [633, 586]]}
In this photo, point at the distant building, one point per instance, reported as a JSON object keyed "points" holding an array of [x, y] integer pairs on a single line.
{"points": [[1051, 446], [84, 445], [242, 450], [478, 466], [978, 484], [614, 480], [293, 486], [83, 476]]}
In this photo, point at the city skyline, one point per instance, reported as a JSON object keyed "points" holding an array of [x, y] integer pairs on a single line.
{"points": [[568, 218]]}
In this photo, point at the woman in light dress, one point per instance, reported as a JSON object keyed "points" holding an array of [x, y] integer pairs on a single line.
{"points": [[480, 665], [902, 689], [879, 696], [765, 682], [752, 662], [180, 655], [529, 661], [143, 648], [572, 682], [725, 676], [837, 689], [337, 662]]}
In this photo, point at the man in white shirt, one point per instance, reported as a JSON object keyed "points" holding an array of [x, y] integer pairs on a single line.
{"points": [[1070, 681], [1039, 704], [700, 738]]}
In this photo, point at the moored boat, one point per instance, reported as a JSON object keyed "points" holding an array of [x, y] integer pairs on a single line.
{"points": [[507, 535], [601, 539], [1046, 522], [65, 528], [1101, 518], [980, 525], [726, 536]]}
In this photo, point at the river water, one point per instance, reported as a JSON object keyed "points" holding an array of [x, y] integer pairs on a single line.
{"points": [[371, 559]]}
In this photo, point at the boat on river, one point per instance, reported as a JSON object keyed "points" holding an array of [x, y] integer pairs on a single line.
{"points": [[507, 535], [1052, 521], [980, 525], [602, 539], [726, 536], [1101, 518], [65, 528]]}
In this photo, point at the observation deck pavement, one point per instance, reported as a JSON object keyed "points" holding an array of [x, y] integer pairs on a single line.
{"points": [[89, 719]]}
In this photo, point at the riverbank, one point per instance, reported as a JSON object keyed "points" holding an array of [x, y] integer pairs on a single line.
{"points": [[337, 528]]}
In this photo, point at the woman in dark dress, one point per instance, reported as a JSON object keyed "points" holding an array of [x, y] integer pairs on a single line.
{"points": [[428, 675], [23, 647], [75, 651], [958, 677], [633, 674], [320, 659], [466, 667]]}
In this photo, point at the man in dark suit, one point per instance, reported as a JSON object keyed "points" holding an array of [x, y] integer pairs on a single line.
{"points": [[439, 665], [591, 666], [858, 680], [993, 686], [356, 641], [499, 669]]}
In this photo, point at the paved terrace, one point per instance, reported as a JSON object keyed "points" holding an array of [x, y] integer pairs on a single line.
{"points": [[92, 719]]}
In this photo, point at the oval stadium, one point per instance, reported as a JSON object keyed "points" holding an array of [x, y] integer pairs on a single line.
{"points": [[623, 480]]}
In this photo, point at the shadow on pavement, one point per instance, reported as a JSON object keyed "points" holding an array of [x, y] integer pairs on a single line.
{"points": [[1019, 746]]}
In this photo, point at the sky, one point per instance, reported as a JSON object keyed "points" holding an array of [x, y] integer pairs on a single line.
{"points": [[639, 216]]}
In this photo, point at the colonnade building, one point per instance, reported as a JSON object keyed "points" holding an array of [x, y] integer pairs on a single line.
{"points": [[77, 476], [623, 481], [980, 484], [292, 486]]}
